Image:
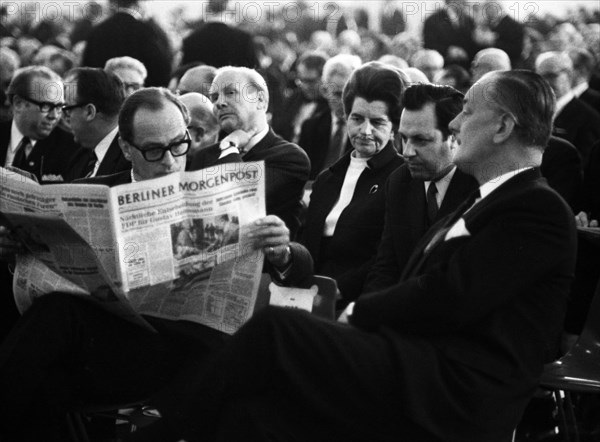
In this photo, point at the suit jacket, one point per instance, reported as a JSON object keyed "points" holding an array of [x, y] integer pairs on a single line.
{"points": [[350, 252], [561, 166], [579, 124], [283, 121], [121, 35], [439, 33], [475, 317], [113, 162], [115, 179], [50, 157], [591, 97], [406, 222], [217, 44], [287, 169], [510, 39], [314, 139]]}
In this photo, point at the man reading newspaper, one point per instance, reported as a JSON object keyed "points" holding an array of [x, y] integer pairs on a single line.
{"points": [[66, 350]]}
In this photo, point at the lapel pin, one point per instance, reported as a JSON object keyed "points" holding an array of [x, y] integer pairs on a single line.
{"points": [[373, 189]]}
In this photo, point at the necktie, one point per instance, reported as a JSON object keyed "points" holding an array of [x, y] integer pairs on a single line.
{"points": [[336, 143], [91, 164], [20, 159], [432, 206]]}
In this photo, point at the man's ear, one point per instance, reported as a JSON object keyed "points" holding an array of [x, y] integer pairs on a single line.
{"points": [[262, 103], [125, 148], [90, 112], [505, 128], [198, 134]]}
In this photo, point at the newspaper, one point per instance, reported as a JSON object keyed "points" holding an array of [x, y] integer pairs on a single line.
{"points": [[175, 247]]}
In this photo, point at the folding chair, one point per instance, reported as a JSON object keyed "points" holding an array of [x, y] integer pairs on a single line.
{"points": [[578, 371]]}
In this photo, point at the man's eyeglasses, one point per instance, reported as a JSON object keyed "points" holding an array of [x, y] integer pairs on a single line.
{"points": [[45, 106], [67, 109], [177, 149]]}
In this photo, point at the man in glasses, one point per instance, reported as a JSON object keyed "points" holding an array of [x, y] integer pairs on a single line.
{"points": [[70, 350], [93, 98], [31, 141]]}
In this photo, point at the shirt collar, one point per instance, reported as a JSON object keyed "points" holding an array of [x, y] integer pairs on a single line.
{"points": [[563, 101], [133, 12], [256, 139], [580, 88], [494, 183], [102, 147], [16, 136], [442, 185]]}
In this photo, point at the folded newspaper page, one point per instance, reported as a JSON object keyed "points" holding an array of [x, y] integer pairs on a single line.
{"points": [[175, 247]]}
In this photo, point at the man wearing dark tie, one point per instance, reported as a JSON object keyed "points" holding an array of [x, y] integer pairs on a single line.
{"points": [[426, 188], [452, 351], [31, 141], [93, 100]]}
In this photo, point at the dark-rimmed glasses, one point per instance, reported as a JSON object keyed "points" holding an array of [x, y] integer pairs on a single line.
{"points": [[177, 149], [45, 106], [67, 109]]}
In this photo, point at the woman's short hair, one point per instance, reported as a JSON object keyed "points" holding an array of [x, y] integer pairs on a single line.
{"points": [[377, 81]]}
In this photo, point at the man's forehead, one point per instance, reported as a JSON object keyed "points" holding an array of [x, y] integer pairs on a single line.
{"points": [[46, 89], [423, 119]]}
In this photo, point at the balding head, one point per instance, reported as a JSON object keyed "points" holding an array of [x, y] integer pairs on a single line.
{"points": [[557, 69], [197, 79], [203, 127], [489, 60], [429, 62]]}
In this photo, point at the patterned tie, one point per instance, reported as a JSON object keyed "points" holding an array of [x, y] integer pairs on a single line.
{"points": [[336, 144], [432, 205], [91, 164], [20, 159]]}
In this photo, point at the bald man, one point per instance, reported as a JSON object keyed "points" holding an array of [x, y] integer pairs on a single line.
{"points": [[489, 60], [197, 79], [429, 62], [203, 127]]}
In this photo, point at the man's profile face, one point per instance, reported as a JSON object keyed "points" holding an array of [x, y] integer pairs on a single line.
{"points": [[75, 117], [333, 88], [156, 128], [30, 119], [424, 148], [475, 125], [237, 103]]}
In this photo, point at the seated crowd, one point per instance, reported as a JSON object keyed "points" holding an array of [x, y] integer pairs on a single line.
{"points": [[439, 179]]}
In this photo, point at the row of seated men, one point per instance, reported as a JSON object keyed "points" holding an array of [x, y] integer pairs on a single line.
{"points": [[155, 144]]}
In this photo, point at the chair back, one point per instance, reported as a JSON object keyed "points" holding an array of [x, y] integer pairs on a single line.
{"points": [[323, 303], [590, 336]]}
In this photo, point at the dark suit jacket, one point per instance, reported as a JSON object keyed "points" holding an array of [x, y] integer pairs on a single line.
{"points": [[49, 158], [474, 319], [283, 121], [122, 35], [510, 39], [591, 97], [287, 169], [217, 44], [561, 166], [350, 252], [406, 222], [314, 139], [113, 162], [439, 33], [579, 124]]}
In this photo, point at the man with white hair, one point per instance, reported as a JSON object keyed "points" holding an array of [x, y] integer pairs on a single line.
{"points": [[203, 126], [240, 98], [429, 62], [583, 67], [197, 79], [323, 136], [574, 120], [489, 60], [130, 71]]}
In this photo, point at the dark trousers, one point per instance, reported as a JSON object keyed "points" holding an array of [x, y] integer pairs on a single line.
{"points": [[289, 376], [65, 351]]}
